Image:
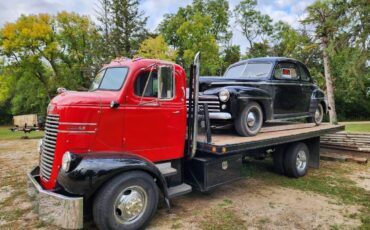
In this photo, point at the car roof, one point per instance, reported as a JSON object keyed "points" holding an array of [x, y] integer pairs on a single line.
{"points": [[265, 59]]}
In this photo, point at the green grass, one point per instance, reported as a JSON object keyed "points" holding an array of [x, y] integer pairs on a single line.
{"points": [[364, 127], [6, 134], [329, 180]]}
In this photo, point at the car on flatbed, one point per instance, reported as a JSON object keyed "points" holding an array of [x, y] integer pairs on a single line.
{"points": [[260, 90]]}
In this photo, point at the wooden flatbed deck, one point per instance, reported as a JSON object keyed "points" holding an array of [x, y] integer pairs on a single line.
{"points": [[229, 142]]}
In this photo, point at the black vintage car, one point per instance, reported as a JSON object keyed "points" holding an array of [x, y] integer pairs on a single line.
{"points": [[260, 90]]}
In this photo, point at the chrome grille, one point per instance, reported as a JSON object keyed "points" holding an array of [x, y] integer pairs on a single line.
{"points": [[211, 100], [48, 147]]}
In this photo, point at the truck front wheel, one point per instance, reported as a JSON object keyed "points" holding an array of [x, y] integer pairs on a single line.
{"points": [[128, 201]]}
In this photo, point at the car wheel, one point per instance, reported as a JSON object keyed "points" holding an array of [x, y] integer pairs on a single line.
{"points": [[249, 121], [318, 115], [128, 201], [296, 160]]}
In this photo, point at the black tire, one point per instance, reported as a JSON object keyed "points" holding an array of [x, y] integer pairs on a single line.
{"points": [[278, 160], [318, 115], [106, 213], [242, 127], [295, 152]]}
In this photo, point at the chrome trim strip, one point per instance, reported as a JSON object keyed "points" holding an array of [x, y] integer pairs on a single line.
{"points": [[260, 83], [76, 123], [77, 132], [220, 116], [53, 208], [267, 98]]}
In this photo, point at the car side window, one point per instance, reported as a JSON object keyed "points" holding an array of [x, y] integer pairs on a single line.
{"points": [[146, 84], [305, 76], [286, 70]]}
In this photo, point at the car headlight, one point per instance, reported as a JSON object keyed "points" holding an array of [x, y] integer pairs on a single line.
{"points": [[224, 95], [66, 161]]}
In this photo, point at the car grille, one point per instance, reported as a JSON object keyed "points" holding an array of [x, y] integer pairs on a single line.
{"points": [[48, 147], [212, 102]]}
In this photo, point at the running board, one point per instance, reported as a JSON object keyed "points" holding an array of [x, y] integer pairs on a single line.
{"points": [[179, 190], [166, 169]]}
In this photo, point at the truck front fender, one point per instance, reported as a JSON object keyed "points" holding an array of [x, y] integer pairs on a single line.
{"points": [[94, 169]]}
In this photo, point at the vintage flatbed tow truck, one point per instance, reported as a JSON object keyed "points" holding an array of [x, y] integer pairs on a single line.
{"points": [[111, 151]]}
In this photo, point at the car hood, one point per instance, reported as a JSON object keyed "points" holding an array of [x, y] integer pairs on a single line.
{"points": [[208, 82], [74, 98]]}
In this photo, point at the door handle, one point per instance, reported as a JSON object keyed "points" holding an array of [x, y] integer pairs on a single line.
{"points": [[176, 112]]}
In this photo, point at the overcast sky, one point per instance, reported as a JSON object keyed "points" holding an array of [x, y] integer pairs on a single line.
{"points": [[289, 11]]}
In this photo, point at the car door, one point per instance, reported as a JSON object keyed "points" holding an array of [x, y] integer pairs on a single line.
{"points": [[307, 87], [287, 90]]}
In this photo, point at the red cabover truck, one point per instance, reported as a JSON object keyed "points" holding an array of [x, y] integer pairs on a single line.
{"points": [[111, 151]]}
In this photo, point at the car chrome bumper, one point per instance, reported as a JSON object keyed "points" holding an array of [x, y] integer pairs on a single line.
{"points": [[220, 116], [54, 208]]}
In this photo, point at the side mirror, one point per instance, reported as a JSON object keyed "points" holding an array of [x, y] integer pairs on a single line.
{"points": [[114, 104]]}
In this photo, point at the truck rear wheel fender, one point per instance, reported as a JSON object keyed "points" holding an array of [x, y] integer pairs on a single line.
{"points": [[96, 169]]}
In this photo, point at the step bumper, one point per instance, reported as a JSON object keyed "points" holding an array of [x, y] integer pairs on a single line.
{"points": [[54, 208]]}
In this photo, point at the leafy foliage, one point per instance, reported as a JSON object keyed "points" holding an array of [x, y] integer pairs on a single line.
{"points": [[156, 48], [39, 53]]}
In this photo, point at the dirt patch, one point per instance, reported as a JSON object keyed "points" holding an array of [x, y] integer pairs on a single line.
{"points": [[255, 205], [249, 203]]}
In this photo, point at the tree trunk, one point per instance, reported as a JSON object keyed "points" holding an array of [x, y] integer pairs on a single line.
{"points": [[329, 82]]}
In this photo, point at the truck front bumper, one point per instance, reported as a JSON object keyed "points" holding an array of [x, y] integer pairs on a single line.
{"points": [[54, 208], [220, 116]]}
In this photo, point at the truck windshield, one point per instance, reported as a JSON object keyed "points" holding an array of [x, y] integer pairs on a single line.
{"points": [[249, 70], [109, 79]]}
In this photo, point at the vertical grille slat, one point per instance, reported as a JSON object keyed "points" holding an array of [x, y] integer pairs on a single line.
{"points": [[50, 138]]}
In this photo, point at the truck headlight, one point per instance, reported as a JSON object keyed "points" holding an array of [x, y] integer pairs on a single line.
{"points": [[224, 95], [39, 146], [66, 161]]}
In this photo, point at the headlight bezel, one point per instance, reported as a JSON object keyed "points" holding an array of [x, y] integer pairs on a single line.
{"points": [[66, 161], [224, 95]]}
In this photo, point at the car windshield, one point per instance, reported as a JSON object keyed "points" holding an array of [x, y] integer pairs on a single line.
{"points": [[109, 79], [249, 70]]}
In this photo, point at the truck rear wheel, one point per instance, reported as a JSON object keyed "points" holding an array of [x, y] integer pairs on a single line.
{"points": [[296, 160], [128, 201], [249, 122]]}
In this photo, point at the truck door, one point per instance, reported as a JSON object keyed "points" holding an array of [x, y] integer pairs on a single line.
{"points": [[288, 92], [153, 115]]}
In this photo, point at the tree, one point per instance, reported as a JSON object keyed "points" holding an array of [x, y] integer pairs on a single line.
{"points": [[252, 23], [123, 25], [231, 55], [43, 52], [195, 36], [321, 15], [156, 48]]}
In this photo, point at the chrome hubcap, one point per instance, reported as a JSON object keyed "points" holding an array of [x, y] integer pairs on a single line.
{"points": [[251, 119], [130, 204], [301, 161]]}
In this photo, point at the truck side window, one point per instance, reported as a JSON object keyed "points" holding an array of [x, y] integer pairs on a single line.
{"points": [[166, 82], [148, 79], [286, 70]]}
